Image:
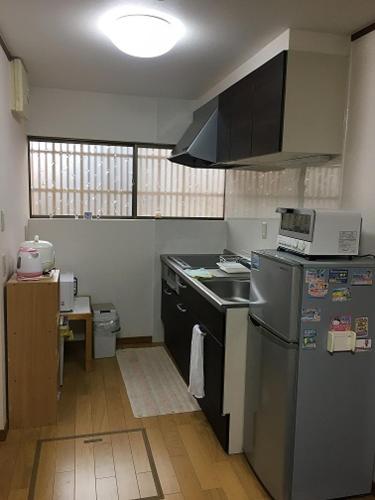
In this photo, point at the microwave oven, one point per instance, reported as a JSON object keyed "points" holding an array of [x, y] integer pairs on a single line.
{"points": [[319, 232]]}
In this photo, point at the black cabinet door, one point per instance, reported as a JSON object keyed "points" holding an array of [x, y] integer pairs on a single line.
{"points": [[212, 403], [241, 124], [180, 312], [168, 316], [235, 122], [185, 322], [267, 106], [225, 118]]}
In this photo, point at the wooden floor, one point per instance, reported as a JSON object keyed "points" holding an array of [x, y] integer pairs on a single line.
{"points": [[189, 460]]}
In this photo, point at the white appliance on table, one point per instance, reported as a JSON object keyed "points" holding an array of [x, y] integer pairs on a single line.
{"points": [[45, 250], [312, 232], [68, 290]]}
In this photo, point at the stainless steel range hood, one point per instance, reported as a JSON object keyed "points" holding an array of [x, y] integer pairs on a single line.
{"points": [[197, 147]]}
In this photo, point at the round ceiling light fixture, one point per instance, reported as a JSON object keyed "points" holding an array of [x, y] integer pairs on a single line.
{"points": [[142, 34]]}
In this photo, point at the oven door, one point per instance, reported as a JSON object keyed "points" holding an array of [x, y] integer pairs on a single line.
{"points": [[297, 223]]}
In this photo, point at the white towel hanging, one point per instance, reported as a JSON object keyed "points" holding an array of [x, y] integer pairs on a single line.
{"points": [[196, 378]]}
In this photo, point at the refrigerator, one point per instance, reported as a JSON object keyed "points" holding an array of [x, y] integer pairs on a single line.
{"points": [[310, 377]]}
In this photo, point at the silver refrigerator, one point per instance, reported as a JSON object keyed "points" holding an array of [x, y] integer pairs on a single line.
{"points": [[310, 380]]}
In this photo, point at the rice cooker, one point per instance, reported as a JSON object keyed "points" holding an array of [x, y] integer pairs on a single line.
{"points": [[45, 249], [29, 263]]}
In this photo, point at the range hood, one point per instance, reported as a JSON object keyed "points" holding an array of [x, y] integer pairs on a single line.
{"points": [[299, 124], [197, 147]]}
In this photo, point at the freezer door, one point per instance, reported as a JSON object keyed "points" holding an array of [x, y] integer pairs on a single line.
{"points": [[270, 409], [275, 296]]}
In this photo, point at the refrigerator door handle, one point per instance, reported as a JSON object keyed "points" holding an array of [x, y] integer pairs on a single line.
{"points": [[254, 322]]}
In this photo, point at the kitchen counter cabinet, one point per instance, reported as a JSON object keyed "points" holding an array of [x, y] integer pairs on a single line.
{"points": [[178, 325], [180, 312]]}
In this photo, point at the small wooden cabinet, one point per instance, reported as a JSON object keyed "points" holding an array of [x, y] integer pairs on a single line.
{"points": [[32, 351]]}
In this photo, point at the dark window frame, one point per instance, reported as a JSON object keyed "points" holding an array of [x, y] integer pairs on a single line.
{"points": [[135, 146]]}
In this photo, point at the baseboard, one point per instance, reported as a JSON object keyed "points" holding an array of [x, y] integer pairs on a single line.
{"points": [[4, 432], [126, 341]]}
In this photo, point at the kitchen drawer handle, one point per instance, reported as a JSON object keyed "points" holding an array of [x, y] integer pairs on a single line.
{"points": [[181, 309], [167, 292]]}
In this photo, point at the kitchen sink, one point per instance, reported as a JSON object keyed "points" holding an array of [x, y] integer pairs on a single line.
{"points": [[207, 261], [197, 261], [229, 289]]}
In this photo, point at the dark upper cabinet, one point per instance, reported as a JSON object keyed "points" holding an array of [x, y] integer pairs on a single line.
{"points": [[267, 106], [235, 122], [251, 113]]}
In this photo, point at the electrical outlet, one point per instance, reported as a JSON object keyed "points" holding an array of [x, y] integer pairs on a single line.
{"points": [[264, 230], [2, 220]]}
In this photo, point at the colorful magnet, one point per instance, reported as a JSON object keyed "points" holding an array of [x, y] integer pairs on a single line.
{"points": [[341, 323], [341, 295], [363, 278], [361, 326], [338, 276], [313, 275], [311, 314], [309, 339], [363, 344], [318, 289]]}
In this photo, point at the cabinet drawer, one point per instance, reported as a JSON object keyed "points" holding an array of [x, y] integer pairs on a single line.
{"points": [[209, 317]]}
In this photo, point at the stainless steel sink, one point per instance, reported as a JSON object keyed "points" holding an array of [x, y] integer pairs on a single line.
{"points": [[196, 261], [233, 290]]}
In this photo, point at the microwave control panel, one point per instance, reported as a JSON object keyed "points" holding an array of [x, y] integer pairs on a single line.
{"points": [[294, 244]]}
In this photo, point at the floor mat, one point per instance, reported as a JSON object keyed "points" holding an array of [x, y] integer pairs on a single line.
{"points": [[153, 383], [109, 465]]}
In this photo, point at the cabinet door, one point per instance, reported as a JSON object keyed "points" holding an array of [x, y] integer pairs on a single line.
{"points": [[235, 121], [212, 403], [178, 327], [241, 123], [225, 118], [268, 106], [168, 308], [185, 322]]}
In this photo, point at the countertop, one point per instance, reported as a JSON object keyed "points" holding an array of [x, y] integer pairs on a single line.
{"points": [[200, 287]]}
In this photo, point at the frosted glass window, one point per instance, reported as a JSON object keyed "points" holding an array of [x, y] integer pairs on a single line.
{"points": [[71, 178], [172, 190]]}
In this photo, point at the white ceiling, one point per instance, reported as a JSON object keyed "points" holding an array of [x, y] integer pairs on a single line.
{"points": [[62, 46]]}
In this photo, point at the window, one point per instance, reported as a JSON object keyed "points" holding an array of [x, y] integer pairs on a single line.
{"points": [[71, 178]]}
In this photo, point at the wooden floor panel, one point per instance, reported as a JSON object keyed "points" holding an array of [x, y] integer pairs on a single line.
{"points": [[190, 463]]}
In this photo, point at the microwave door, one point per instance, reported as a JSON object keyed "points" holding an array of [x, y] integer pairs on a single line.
{"points": [[275, 297]]}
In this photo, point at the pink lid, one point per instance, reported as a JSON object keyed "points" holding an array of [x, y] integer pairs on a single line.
{"points": [[28, 249]]}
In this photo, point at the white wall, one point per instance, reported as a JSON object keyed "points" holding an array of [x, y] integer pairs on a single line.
{"points": [[119, 260], [13, 199], [309, 41], [112, 117], [245, 235], [359, 155]]}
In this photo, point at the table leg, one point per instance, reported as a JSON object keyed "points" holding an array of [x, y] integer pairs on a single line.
{"points": [[88, 345]]}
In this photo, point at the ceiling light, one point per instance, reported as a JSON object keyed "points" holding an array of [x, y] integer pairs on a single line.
{"points": [[142, 34]]}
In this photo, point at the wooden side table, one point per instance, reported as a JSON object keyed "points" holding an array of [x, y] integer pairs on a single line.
{"points": [[82, 311]]}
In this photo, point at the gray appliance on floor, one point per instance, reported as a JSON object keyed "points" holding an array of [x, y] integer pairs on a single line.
{"points": [[310, 381]]}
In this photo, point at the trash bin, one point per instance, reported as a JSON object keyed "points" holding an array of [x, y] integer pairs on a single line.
{"points": [[106, 328]]}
